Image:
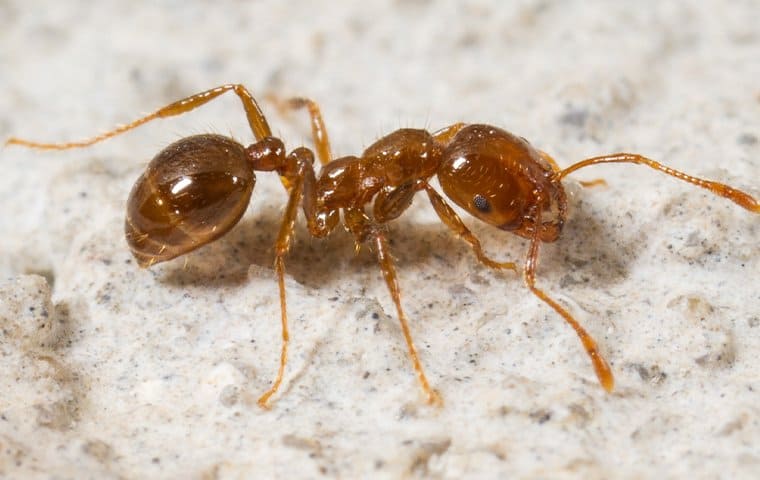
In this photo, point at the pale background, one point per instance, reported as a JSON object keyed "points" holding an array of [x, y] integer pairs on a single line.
{"points": [[154, 374]]}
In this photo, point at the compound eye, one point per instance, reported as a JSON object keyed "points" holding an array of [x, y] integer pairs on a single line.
{"points": [[481, 203]]}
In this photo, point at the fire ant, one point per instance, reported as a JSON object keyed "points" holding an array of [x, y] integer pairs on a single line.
{"points": [[197, 189]]}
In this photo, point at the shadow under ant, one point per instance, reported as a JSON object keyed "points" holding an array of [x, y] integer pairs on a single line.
{"points": [[312, 262]]}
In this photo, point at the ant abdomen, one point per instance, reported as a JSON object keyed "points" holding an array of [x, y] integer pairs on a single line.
{"points": [[191, 193]]}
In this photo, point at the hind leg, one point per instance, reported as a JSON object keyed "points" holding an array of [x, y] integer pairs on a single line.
{"points": [[256, 119], [318, 129], [302, 161]]}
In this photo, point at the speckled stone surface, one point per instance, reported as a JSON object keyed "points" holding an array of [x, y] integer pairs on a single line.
{"points": [[110, 371]]}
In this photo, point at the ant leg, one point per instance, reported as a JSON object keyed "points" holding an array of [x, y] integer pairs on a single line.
{"points": [[584, 183], [597, 182], [279, 266], [445, 134], [303, 161], [450, 218], [603, 372], [360, 226], [256, 119], [390, 204], [740, 198], [318, 129]]}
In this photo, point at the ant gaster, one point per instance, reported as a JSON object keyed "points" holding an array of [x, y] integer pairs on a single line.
{"points": [[198, 188]]}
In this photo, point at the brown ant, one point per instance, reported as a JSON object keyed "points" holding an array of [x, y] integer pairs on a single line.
{"points": [[196, 190]]}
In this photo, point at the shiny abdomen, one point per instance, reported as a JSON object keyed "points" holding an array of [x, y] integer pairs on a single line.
{"points": [[191, 193]]}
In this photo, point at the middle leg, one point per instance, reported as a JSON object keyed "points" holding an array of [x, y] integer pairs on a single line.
{"points": [[360, 225]]}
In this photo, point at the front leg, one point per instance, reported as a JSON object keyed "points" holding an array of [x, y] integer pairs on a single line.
{"points": [[450, 218], [601, 368]]}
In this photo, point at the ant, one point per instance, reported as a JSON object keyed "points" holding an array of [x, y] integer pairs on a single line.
{"points": [[197, 189]]}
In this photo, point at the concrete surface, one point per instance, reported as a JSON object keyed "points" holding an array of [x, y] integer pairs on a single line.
{"points": [[109, 371]]}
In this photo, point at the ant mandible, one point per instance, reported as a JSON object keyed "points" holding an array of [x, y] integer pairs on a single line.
{"points": [[197, 189]]}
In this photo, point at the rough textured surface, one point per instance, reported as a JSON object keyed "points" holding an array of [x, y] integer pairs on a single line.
{"points": [[129, 373]]}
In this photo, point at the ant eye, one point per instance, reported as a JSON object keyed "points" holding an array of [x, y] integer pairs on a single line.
{"points": [[481, 203]]}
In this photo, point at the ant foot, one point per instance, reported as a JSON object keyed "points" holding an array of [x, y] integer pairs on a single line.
{"points": [[434, 398]]}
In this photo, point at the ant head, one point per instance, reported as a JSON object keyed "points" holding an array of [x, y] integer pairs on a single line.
{"points": [[502, 180]]}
